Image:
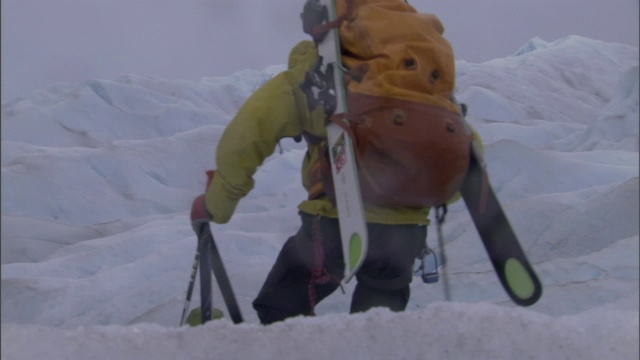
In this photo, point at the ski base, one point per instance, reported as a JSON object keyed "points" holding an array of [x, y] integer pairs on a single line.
{"points": [[516, 274]]}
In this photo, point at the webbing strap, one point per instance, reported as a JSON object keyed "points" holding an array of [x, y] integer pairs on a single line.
{"points": [[319, 274]]}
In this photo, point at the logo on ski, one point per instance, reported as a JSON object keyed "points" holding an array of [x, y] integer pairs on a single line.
{"points": [[339, 153]]}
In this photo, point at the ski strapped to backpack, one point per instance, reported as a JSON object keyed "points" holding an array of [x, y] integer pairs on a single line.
{"points": [[325, 88]]}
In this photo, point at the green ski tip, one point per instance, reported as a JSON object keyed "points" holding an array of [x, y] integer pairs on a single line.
{"points": [[355, 251], [518, 278]]}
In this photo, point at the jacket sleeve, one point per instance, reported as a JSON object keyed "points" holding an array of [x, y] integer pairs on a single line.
{"points": [[269, 115]]}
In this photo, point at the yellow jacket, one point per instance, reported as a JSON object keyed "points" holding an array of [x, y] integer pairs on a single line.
{"points": [[278, 110]]}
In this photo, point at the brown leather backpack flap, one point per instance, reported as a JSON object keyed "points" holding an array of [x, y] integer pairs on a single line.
{"points": [[409, 154]]}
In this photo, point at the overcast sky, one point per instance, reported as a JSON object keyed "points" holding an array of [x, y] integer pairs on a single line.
{"points": [[46, 41]]}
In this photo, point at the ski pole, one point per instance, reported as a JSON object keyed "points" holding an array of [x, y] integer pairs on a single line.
{"points": [[192, 280], [206, 295], [441, 212], [215, 261]]}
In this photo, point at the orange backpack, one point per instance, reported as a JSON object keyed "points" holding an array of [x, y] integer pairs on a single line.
{"points": [[411, 141]]}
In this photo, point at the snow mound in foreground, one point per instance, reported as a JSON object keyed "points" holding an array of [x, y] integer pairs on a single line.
{"points": [[440, 331]]}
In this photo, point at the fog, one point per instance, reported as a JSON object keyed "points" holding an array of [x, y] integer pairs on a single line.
{"points": [[45, 42]]}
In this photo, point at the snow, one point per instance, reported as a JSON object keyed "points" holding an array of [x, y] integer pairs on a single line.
{"points": [[441, 331], [98, 177]]}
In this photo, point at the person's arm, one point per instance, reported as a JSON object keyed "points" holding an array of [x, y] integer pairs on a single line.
{"points": [[269, 115]]}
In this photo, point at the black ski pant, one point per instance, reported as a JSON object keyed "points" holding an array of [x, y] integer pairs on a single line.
{"points": [[383, 280]]}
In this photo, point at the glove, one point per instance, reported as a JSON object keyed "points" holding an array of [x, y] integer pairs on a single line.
{"points": [[199, 213]]}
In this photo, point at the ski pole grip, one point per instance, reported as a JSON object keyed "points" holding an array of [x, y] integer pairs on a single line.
{"points": [[210, 174]]}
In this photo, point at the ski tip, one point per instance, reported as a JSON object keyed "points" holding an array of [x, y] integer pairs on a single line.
{"points": [[522, 283], [356, 251], [357, 247]]}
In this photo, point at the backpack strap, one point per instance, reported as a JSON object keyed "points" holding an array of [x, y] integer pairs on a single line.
{"points": [[321, 179], [319, 273]]}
